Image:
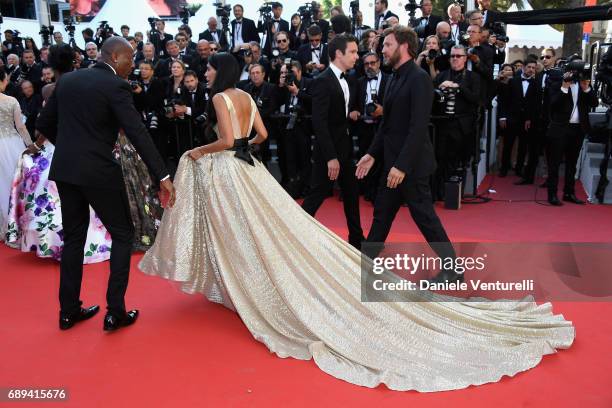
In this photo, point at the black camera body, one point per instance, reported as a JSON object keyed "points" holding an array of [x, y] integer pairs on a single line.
{"points": [[307, 12], [580, 70], [290, 78], [446, 99], [500, 31], [371, 107], [185, 14], [432, 54], [223, 12]]}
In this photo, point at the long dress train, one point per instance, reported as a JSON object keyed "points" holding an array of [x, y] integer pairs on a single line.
{"points": [[237, 237]]}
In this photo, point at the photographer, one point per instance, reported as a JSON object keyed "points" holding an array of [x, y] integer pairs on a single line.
{"points": [[11, 44], [243, 29], [158, 37], [162, 70], [195, 100], [455, 20], [426, 25], [91, 58], [212, 33], [382, 14], [149, 101], [368, 114], [275, 25], [313, 56], [279, 55], [148, 55], [480, 60], [186, 31], [264, 94], [569, 122], [317, 19], [456, 136], [294, 142], [58, 38], [428, 57], [29, 70]]}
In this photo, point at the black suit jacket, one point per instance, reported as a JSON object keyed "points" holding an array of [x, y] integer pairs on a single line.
{"points": [[403, 138], [491, 17], [162, 69], [198, 103], [265, 97], [249, 31], [151, 99], [329, 119], [562, 105], [430, 28], [206, 35], [304, 96], [82, 119], [304, 55], [519, 108], [283, 25], [467, 99], [362, 89], [388, 14]]}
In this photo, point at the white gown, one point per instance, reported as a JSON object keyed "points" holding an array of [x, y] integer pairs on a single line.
{"points": [[237, 237]]}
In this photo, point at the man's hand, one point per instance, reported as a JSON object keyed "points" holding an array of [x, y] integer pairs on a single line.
{"points": [[293, 89], [320, 67], [527, 125], [167, 189], [354, 115], [136, 90], [567, 80], [333, 169], [585, 84], [364, 165], [395, 177], [474, 58], [180, 109], [503, 123], [448, 84], [378, 112]]}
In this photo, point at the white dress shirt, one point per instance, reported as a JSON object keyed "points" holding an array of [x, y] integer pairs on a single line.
{"points": [[343, 84]]}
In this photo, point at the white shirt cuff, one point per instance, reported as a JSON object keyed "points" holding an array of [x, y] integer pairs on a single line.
{"points": [[188, 112], [165, 178]]}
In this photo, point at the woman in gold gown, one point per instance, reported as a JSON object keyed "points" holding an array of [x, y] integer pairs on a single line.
{"points": [[237, 237]]}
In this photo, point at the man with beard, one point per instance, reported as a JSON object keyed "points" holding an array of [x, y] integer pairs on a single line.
{"points": [[403, 141]]}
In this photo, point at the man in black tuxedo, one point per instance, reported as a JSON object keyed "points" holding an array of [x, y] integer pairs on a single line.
{"points": [[276, 25], [163, 68], [195, 101], [82, 119], [317, 19], [381, 13], [426, 25], [243, 29], [161, 38], [455, 21], [519, 116], [370, 90], [489, 17], [212, 34], [148, 55], [480, 61], [313, 56], [403, 141], [569, 122], [333, 150], [186, 30], [199, 62]]}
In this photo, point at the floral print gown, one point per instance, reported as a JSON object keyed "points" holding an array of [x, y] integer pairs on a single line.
{"points": [[35, 218]]}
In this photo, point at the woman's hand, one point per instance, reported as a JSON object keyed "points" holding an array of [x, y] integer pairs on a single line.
{"points": [[196, 153]]}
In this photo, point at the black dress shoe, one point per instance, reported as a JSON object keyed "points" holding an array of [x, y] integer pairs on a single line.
{"points": [[554, 200], [66, 322], [523, 182], [572, 199], [447, 276], [112, 323]]}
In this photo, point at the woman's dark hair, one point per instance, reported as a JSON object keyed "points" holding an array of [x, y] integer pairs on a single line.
{"points": [[228, 74], [507, 65], [2, 74], [61, 58]]}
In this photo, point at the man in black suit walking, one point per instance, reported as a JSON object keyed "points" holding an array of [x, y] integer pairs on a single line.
{"points": [[333, 150], [243, 29], [403, 141], [82, 119]]}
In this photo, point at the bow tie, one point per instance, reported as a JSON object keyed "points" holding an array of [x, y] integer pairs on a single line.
{"points": [[374, 78], [527, 79], [342, 75], [316, 49], [238, 22]]}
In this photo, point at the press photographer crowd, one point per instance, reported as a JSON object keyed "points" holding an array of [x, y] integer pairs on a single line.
{"points": [[542, 101]]}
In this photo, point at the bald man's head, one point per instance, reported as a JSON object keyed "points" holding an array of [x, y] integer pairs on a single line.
{"points": [[117, 52]]}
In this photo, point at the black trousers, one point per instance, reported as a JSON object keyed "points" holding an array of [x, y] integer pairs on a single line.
{"points": [[516, 129], [417, 195], [113, 209], [454, 148], [319, 190], [365, 136], [563, 141], [296, 152]]}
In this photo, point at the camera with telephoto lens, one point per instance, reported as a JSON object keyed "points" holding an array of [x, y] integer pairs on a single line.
{"points": [[371, 107], [290, 78], [432, 54], [201, 119], [265, 16], [307, 12], [170, 103], [134, 84], [185, 14], [151, 121], [223, 12], [577, 70], [446, 99], [294, 114], [499, 31]]}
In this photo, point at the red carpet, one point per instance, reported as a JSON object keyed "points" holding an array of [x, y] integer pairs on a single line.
{"points": [[186, 352]]}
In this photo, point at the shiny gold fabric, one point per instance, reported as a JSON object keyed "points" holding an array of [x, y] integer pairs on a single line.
{"points": [[237, 237]]}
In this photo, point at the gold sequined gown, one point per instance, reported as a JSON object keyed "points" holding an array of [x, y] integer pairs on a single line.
{"points": [[237, 237]]}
